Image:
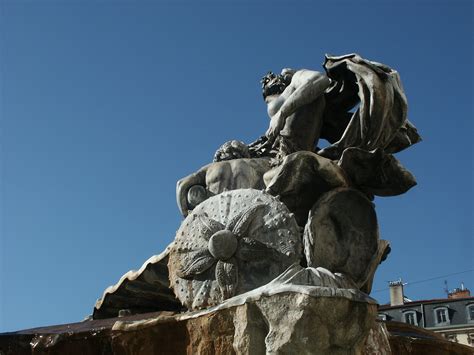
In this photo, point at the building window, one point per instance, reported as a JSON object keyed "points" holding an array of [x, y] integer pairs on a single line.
{"points": [[470, 313], [441, 316], [410, 317]]}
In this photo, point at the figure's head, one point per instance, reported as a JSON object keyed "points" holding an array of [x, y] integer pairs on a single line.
{"points": [[273, 84], [232, 150]]}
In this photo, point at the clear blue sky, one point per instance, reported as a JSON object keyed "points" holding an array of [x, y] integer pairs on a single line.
{"points": [[106, 104]]}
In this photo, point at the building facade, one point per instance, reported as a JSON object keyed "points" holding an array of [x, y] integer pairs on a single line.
{"points": [[453, 317]]}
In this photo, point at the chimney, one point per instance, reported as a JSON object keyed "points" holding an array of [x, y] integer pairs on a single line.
{"points": [[396, 293], [461, 292]]}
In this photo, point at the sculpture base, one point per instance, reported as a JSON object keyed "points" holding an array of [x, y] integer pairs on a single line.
{"points": [[290, 323]]}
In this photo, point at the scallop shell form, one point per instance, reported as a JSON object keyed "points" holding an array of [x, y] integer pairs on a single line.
{"points": [[230, 244]]}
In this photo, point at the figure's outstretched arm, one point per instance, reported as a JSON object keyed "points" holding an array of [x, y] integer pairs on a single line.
{"points": [[306, 86]]}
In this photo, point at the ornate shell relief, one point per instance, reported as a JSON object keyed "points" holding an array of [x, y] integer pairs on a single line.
{"points": [[230, 244]]}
